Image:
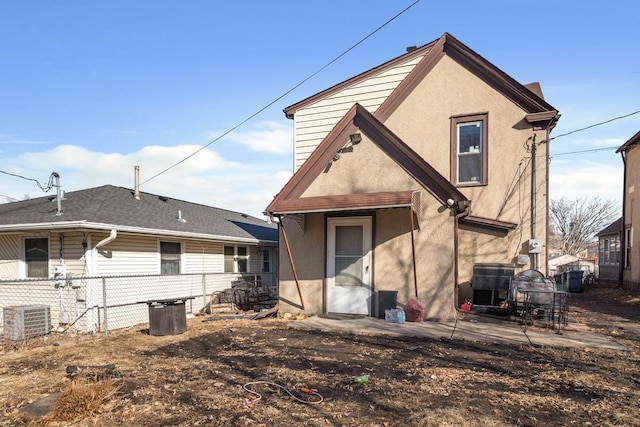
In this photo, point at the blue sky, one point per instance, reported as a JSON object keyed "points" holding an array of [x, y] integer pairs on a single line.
{"points": [[91, 89]]}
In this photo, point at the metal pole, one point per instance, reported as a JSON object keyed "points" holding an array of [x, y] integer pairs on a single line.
{"points": [[293, 267], [535, 260], [104, 304], [413, 254]]}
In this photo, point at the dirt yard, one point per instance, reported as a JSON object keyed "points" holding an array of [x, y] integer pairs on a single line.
{"points": [[197, 378]]}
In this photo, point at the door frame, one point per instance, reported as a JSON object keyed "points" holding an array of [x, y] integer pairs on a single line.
{"points": [[367, 221]]}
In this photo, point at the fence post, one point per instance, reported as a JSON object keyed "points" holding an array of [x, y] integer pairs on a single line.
{"points": [[104, 304], [204, 290]]}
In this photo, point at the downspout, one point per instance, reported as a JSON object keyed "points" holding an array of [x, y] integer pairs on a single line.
{"points": [[112, 236], [456, 262], [623, 243]]}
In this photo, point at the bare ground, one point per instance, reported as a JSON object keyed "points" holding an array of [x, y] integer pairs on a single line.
{"points": [[197, 378]]}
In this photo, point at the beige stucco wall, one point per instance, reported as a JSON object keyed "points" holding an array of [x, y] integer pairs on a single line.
{"points": [[451, 90], [367, 169], [631, 276], [423, 121]]}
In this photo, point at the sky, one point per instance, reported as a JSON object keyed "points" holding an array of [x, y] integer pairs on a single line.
{"points": [[91, 89]]}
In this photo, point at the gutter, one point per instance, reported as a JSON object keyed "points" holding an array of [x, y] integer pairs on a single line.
{"points": [[91, 226]]}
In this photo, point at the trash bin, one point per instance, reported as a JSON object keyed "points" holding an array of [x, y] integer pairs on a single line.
{"points": [[386, 300], [575, 280], [167, 317]]}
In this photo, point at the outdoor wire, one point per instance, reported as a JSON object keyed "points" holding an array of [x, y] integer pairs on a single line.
{"points": [[253, 400], [284, 94]]}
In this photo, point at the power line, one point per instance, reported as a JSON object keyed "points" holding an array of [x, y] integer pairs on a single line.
{"points": [[594, 125], [584, 151], [44, 188], [285, 93]]}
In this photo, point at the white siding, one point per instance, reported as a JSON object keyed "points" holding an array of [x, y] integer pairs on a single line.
{"points": [[128, 255], [203, 257], [314, 122], [9, 256]]}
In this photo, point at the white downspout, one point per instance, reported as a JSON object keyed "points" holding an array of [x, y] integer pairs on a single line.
{"points": [[94, 300], [112, 236]]}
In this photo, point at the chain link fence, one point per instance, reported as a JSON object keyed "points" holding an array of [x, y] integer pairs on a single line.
{"points": [[35, 307]]}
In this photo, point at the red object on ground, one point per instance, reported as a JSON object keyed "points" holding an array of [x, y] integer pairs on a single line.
{"points": [[465, 306]]}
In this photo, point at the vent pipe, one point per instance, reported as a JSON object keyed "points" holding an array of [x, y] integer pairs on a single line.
{"points": [[136, 179], [58, 192]]}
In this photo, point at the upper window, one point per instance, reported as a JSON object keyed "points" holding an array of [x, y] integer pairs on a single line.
{"points": [[36, 257], [170, 253], [236, 259], [469, 149]]}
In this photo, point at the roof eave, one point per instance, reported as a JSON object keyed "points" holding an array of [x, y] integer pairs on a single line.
{"points": [[88, 226]]}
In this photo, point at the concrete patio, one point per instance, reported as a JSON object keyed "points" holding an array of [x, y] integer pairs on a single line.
{"points": [[468, 327]]}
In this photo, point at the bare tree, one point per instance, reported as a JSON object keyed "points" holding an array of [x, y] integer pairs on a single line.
{"points": [[575, 222]]}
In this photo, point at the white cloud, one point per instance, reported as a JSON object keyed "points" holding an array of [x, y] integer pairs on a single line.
{"points": [[580, 179], [268, 136], [205, 178]]}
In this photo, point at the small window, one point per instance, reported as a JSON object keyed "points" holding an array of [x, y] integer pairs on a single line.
{"points": [[170, 255], [266, 261], [36, 257], [469, 150], [236, 259]]}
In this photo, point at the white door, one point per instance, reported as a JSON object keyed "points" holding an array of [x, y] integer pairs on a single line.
{"points": [[349, 265]]}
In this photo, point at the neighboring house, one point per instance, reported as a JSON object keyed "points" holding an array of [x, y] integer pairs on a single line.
{"points": [[409, 174], [630, 241], [564, 263], [112, 231], [609, 253]]}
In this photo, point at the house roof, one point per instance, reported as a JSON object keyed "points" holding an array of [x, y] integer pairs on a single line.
{"points": [[110, 207], [635, 140], [613, 228], [528, 98], [359, 119]]}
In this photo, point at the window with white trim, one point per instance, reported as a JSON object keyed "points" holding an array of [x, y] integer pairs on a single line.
{"points": [[236, 259], [266, 260], [36, 257], [610, 251], [170, 257]]}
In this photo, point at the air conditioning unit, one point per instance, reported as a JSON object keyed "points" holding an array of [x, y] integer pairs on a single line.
{"points": [[28, 321], [535, 246]]}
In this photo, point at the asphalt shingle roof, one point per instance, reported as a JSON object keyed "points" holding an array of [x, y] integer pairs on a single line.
{"points": [[117, 207]]}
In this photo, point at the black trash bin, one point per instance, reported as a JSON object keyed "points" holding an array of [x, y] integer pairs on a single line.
{"points": [[167, 317], [386, 300]]}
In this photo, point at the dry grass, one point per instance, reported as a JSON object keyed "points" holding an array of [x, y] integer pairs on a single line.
{"points": [[196, 378], [82, 399]]}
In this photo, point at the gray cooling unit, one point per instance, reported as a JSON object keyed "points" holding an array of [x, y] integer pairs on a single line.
{"points": [[27, 321]]}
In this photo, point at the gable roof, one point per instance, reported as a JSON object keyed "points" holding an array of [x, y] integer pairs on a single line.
{"points": [[613, 228], [635, 140], [539, 111], [110, 207], [358, 118]]}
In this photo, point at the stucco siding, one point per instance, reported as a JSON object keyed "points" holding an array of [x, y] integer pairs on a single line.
{"points": [[308, 253], [424, 122], [631, 275], [313, 123]]}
